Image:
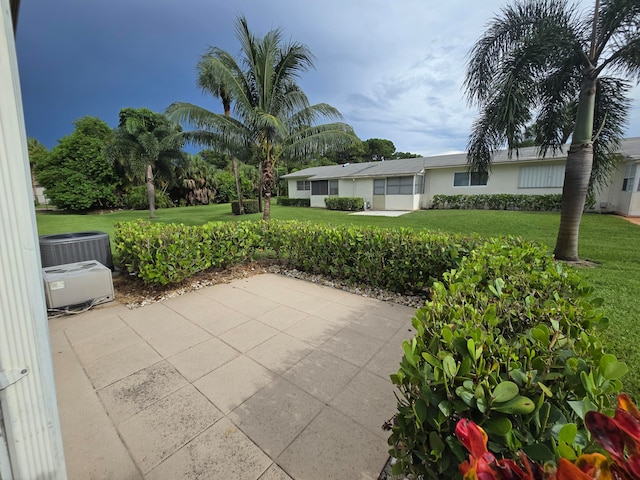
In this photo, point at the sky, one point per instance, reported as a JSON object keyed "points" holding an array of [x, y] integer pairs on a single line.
{"points": [[394, 69]]}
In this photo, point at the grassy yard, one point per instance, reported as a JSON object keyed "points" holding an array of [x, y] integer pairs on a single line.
{"points": [[610, 241]]}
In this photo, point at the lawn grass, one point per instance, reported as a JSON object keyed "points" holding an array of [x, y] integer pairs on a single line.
{"points": [[608, 240]]}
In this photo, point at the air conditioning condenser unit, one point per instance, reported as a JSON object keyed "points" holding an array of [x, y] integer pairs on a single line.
{"points": [[77, 283]]}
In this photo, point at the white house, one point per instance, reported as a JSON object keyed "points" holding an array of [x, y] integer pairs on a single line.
{"points": [[410, 184]]}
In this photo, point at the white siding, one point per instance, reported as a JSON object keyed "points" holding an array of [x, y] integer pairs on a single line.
{"points": [[295, 193], [29, 404]]}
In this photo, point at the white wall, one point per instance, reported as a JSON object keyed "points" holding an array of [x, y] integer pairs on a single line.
{"points": [[295, 193], [503, 179]]}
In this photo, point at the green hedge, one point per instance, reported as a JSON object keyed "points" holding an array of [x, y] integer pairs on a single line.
{"points": [[347, 204], [294, 202], [501, 201], [510, 339], [249, 205], [401, 260], [163, 253]]}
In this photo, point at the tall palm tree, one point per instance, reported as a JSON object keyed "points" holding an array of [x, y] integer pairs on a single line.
{"points": [[271, 114], [144, 142], [543, 59]]}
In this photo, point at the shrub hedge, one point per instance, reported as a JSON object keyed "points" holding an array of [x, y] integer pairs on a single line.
{"points": [[401, 260], [250, 205], [294, 202], [510, 339], [502, 201], [348, 204]]}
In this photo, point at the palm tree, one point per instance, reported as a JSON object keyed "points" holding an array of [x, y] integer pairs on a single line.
{"points": [[271, 114], [542, 59], [145, 142]]}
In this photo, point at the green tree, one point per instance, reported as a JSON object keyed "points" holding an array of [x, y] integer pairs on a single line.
{"points": [[75, 174], [540, 57], [379, 149], [146, 142], [38, 154], [271, 115]]}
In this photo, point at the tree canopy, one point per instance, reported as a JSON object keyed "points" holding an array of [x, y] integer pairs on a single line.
{"points": [[75, 174], [270, 116], [542, 62]]}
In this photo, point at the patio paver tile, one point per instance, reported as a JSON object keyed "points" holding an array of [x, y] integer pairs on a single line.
{"points": [[375, 326], [276, 415], [132, 394], [282, 317], [313, 330], [153, 320], [334, 446], [321, 374], [352, 346], [247, 303], [386, 361], [115, 366], [220, 452], [93, 327], [231, 384], [369, 400], [178, 340], [248, 335], [158, 431], [203, 358], [280, 353], [108, 342]]}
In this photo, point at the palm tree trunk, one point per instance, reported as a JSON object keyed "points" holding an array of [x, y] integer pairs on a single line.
{"points": [[234, 162], [577, 174], [267, 183], [151, 192]]}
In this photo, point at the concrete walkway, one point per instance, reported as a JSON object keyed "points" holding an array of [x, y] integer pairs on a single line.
{"points": [[264, 378]]}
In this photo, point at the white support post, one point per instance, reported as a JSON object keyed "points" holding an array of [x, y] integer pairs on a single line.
{"points": [[27, 390]]}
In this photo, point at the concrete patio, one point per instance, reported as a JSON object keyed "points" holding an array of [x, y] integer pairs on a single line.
{"points": [[265, 378]]}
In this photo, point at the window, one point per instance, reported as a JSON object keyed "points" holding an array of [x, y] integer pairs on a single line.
{"points": [[400, 186], [378, 186], [541, 176], [333, 187], [629, 178], [320, 187], [303, 185], [419, 183], [466, 179]]}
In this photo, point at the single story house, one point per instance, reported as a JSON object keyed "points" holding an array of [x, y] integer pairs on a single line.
{"points": [[410, 184]]}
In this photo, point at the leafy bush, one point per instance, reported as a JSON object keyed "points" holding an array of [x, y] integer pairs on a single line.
{"points": [[294, 202], [348, 204], [167, 253], [401, 260], [249, 205], [137, 198], [509, 340], [501, 201]]}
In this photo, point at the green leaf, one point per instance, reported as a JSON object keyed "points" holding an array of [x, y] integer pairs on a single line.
{"points": [[505, 391], [581, 407], [449, 366], [611, 368], [409, 353], [421, 411], [498, 426], [567, 451], [538, 452], [568, 433]]}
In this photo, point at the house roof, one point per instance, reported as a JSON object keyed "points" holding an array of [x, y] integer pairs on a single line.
{"points": [[411, 166]]}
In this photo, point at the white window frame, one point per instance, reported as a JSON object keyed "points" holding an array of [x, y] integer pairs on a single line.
{"points": [[334, 188], [419, 184], [305, 184], [400, 185], [469, 179], [629, 179], [380, 187]]}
